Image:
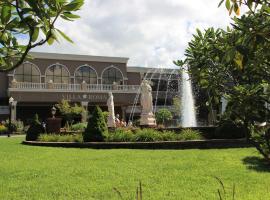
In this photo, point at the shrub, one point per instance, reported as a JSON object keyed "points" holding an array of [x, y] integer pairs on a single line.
{"points": [[34, 130], [105, 115], [169, 136], [163, 116], [60, 138], [147, 135], [3, 129], [189, 134], [120, 135], [78, 127], [96, 129], [229, 130]]}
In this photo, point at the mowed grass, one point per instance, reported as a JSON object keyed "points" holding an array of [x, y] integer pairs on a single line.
{"points": [[28, 172]]}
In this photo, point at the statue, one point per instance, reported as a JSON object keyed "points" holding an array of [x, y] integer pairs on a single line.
{"points": [[111, 116], [147, 116]]}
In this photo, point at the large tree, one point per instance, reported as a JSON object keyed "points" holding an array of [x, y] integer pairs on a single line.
{"points": [[26, 24], [235, 64]]}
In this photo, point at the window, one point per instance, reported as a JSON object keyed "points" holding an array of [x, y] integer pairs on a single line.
{"points": [[87, 74], [27, 72], [111, 75], [57, 73]]}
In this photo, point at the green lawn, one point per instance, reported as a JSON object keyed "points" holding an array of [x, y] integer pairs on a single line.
{"points": [[28, 172]]}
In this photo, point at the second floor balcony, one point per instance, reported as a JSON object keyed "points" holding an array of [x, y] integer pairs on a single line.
{"points": [[63, 87]]}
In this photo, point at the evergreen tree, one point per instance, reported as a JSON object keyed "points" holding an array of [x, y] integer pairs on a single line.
{"points": [[34, 130], [97, 128]]}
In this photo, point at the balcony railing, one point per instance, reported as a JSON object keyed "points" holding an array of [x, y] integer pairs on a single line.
{"points": [[28, 86]]}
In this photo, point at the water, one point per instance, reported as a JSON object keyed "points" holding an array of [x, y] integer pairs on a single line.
{"points": [[188, 112]]}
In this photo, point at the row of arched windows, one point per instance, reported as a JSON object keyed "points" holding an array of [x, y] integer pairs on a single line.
{"points": [[58, 73]]}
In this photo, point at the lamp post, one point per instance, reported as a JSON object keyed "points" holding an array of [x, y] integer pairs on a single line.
{"points": [[10, 101], [53, 111]]}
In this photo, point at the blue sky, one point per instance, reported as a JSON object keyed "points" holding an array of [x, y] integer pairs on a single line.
{"points": [[149, 32]]}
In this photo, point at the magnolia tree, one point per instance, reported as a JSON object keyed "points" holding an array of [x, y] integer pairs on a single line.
{"points": [[27, 24], [235, 64]]}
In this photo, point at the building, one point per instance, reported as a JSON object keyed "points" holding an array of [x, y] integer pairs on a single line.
{"points": [[47, 78]]}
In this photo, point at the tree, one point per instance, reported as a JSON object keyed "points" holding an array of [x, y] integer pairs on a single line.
{"points": [[96, 129], [163, 116], [235, 64], [25, 25], [68, 111], [34, 130]]}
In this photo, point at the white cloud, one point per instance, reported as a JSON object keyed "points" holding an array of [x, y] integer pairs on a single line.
{"points": [[155, 32]]}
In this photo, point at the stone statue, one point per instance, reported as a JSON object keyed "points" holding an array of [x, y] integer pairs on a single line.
{"points": [[146, 97], [111, 116], [147, 116]]}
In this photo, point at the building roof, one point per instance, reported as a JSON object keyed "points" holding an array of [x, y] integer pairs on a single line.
{"points": [[59, 56]]}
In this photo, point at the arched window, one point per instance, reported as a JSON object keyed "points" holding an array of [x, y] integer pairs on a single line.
{"points": [[112, 74], [57, 73], [27, 72], [87, 74]]}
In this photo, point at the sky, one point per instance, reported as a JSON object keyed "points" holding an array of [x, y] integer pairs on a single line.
{"points": [[151, 33]]}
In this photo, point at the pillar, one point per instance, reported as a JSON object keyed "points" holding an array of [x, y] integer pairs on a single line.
{"points": [[85, 113], [13, 110]]}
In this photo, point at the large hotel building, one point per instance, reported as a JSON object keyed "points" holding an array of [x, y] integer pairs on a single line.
{"points": [[47, 78]]}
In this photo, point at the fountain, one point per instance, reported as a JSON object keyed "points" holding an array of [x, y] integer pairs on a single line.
{"points": [[184, 91], [188, 111]]}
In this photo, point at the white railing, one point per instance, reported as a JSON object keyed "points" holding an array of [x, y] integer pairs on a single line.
{"points": [[18, 86]]}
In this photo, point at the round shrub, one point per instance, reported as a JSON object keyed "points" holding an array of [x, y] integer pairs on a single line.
{"points": [[78, 127], [229, 130], [96, 129], [34, 130]]}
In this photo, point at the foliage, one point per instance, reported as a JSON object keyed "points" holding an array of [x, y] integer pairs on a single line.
{"points": [[234, 64], [151, 135], [78, 126], [227, 129], [163, 115], [120, 135], [96, 128], [35, 21], [60, 138], [147, 135], [105, 115], [16, 125], [68, 111], [3, 129], [34, 130], [189, 134]]}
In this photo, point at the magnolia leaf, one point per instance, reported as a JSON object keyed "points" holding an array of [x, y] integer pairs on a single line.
{"points": [[35, 35], [64, 36], [228, 4], [5, 14]]}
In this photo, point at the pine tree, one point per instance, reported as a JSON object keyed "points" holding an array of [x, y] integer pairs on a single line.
{"points": [[97, 128]]}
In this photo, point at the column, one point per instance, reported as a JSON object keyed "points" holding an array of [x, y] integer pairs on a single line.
{"points": [[85, 113], [13, 110]]}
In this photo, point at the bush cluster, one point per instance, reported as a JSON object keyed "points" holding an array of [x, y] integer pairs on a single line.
{"points": [[229, 130], [60, 138], [151, 135], [78, 127], [3, 129]]}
